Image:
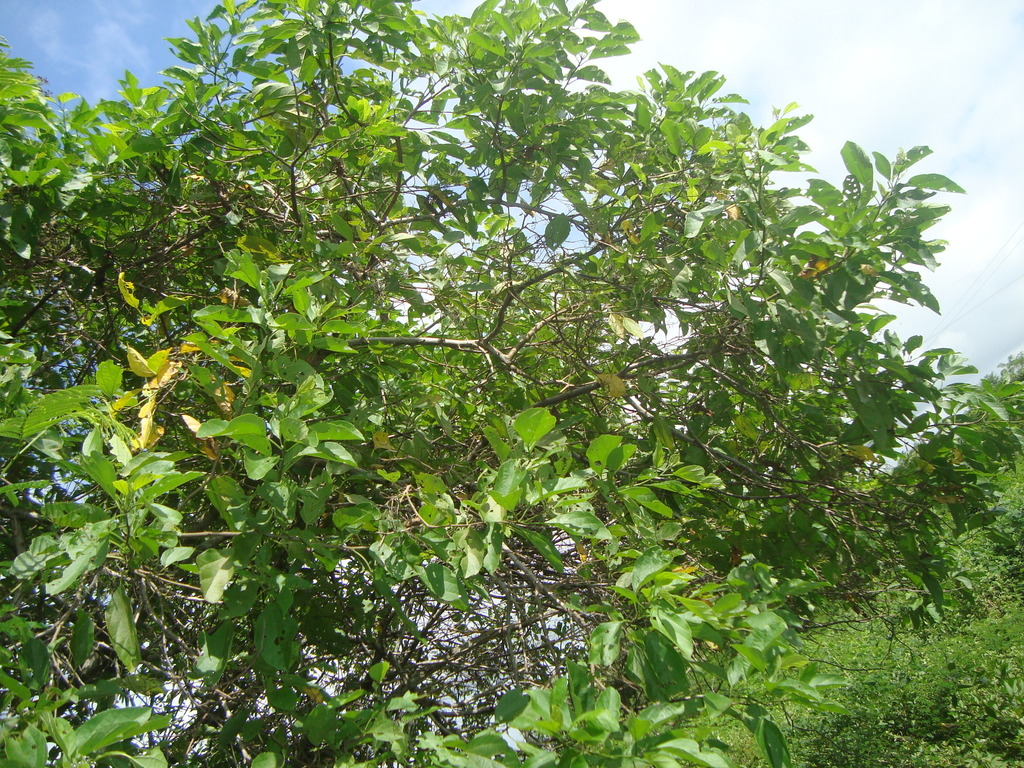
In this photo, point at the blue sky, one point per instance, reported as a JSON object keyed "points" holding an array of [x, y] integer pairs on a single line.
{"points": [[884, 73]]}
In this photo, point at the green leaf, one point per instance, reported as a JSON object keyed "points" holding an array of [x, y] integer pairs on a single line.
{"points": [[694, 223], [247, 424], [508, 484], [331, 452], [643, 113], [90, 556], [858, 164], [544, 545], [533, 424], [772, 744], [599, 450], [83, 637], [215, 573], [267, 760], [275, 639], [114, 725], [510, 706], [675, 628], [26, 750], [60, 406], [583, 522], [650, 563], [935, 181], [379, 671], [486, 42], [557, 230], [692, 753], [120, 623], [605, 643], [335, 430], [150, 758], [442, 583], [215, 653], [882, 165], [108, 377]]}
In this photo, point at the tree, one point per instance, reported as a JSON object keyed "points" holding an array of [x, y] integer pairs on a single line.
{"points": [[386, 389]]}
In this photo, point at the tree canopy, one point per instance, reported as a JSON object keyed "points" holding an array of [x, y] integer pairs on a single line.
{"points": [[385, 389]]}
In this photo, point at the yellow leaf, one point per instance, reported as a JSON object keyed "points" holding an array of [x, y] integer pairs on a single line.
{"points": [[208, 445], [733, 211], [139, 365], [862, 452], [148, 408], [126, 400], [149, 434], [382, 441], [632, 327], [224, 397], [957, 457], [629, 228], [165, 374], [157, 360], [232, 297], [615, 320], [582, 551], [127, 291], [191, 422], [615, 385], [868, 270], [186, 349], [314, 693]]}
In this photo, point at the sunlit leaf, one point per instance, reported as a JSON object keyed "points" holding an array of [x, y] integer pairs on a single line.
{"points": [[138, 365], [120, 624]]}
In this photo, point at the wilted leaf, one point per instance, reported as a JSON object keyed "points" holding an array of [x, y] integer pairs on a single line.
{"points": [[165, 374], [127, 291], [614, 384], [225, 398]]}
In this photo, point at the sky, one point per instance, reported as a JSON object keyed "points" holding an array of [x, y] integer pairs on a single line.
{"points": [[886, 74]]}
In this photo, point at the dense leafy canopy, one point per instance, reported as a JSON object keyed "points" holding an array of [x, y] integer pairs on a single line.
{"points": [[386, 389]]}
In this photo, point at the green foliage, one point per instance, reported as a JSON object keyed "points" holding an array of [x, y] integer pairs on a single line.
{"points": [[386, 389], [946, 694], [950, 696]]}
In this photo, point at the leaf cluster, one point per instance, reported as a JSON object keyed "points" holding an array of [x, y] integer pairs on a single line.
{"points": [[385, 388]]}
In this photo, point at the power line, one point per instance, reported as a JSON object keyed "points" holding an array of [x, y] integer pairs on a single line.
{"points": [[959, 310]]}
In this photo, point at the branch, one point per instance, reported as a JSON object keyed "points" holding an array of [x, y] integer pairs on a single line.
{"points": [[469, 345], [542, 587], [663, 363], [515, 290]]}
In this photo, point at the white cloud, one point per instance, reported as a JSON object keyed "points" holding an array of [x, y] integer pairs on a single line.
{"points": [[46, 32], [885, 75]]}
